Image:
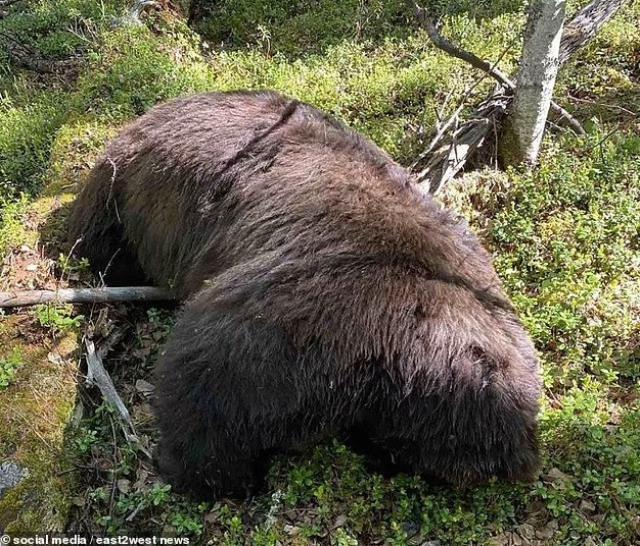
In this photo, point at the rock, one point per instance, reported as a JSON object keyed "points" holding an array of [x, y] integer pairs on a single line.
{"points": [[11, 475], [526, 531], [144, 387], [587, 506], [32, 267], [556, 476], [291, 530], [340, 521], [548, 531]]}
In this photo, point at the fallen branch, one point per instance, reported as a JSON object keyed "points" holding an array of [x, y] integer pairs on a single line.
{"points": [[585, 25], [24, 56], [97, 375], [439, 166], [85, 295]]}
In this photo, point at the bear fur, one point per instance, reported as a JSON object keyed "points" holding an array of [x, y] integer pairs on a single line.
{"points": [[325, 295]]}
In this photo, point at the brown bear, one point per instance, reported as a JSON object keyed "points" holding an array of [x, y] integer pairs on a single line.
{"points": [[325, 294]]}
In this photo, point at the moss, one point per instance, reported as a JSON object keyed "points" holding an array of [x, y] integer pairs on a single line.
{"points": [[305, 27], [35, 411], [73, 152], [12, 229]]}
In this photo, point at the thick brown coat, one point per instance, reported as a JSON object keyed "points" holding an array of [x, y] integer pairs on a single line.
{"points": [[325, 295]]}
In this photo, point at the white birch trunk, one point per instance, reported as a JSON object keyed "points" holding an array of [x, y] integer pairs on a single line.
{"points": [[525, 125]]}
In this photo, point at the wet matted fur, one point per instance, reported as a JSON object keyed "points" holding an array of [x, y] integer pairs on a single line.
{"points": [[324, 294]]}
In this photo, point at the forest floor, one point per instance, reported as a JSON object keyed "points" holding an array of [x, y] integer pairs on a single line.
{"points": [[565, 239]]}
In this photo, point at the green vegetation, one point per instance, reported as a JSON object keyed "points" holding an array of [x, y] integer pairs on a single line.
{"points": [[566, 241], [9, 367], [11, 222], [57, 319]]}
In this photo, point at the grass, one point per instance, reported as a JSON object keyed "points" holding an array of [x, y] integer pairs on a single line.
{"points": [[565, 237]]}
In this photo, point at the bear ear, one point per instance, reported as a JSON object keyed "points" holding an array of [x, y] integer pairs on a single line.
{"points": [[482, 366], [480, 357]]}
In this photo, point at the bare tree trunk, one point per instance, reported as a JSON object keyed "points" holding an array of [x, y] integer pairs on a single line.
{"points": [[524, 128]]}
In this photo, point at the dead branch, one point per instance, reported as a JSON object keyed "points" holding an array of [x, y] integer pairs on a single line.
{"points": [[441, 164], [85, 295], [24, 56], [97, 375], [452, 49], [585, 26]]}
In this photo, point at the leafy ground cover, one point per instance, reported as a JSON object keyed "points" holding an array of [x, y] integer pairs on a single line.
{"points": [[566, 241]]}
